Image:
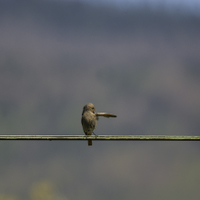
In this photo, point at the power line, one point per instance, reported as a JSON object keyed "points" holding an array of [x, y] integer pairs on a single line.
{"points": [[101, 137]]}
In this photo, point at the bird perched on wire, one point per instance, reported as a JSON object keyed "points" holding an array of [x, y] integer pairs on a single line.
{"points": [[89, 119]]}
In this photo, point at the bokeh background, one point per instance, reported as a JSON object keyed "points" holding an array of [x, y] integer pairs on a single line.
{"points": [[139, 60]]}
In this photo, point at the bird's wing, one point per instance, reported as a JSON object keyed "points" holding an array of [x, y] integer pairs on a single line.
{"points": [[105, 114]]}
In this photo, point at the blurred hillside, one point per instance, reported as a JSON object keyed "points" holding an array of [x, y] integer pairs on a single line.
{"points": [[140, 64]]}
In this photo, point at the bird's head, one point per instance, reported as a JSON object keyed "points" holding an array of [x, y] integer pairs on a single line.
{"points": [[88, 107]]}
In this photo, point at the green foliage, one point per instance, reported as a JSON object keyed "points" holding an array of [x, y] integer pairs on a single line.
{"points": [[7, 197], [42, 190]]}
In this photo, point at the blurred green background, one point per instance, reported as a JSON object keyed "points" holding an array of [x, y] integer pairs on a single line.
{"points": [[139, 62]]}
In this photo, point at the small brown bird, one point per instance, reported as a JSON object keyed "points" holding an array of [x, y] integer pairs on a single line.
{"points": [[89, 119]]}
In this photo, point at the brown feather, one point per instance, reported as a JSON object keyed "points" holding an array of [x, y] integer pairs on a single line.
{"points": [[105, 114]]}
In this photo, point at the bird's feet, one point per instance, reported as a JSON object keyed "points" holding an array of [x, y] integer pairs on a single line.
{"points": [[95, 134]]}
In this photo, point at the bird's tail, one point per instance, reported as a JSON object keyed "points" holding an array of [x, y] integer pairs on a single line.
{"points": [[89, 142]]}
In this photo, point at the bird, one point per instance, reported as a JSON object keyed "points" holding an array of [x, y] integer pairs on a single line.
{"points": [[89, 119]]}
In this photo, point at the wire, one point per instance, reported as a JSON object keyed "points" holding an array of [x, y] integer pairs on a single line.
{"points": [[101, 137]]}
